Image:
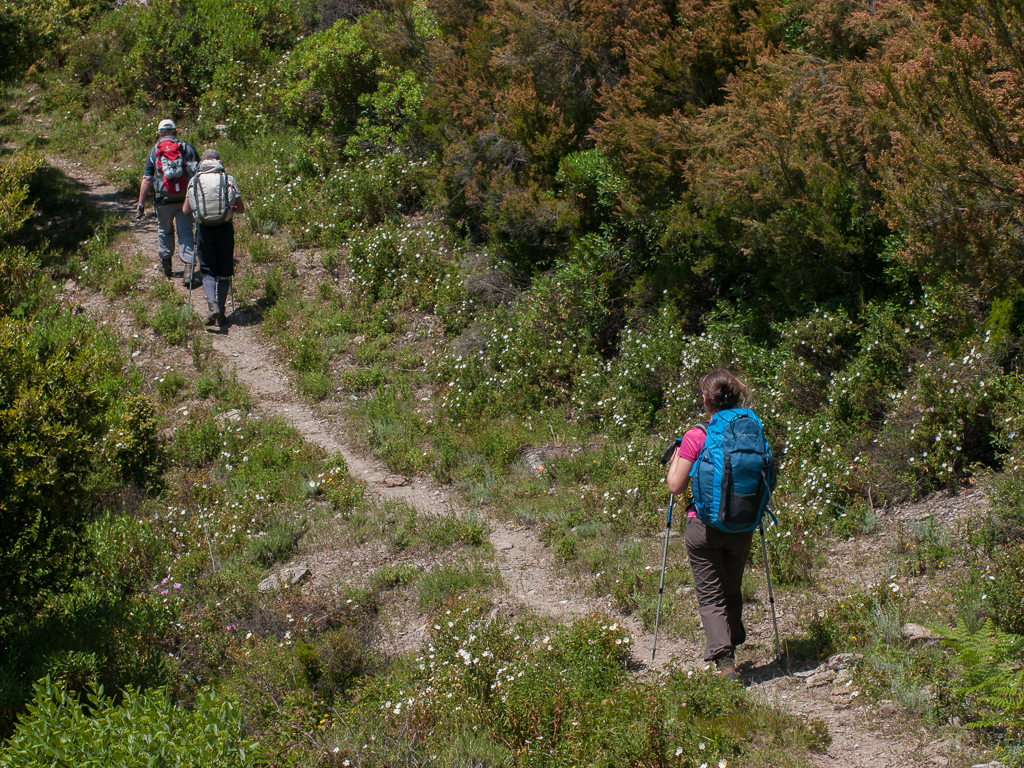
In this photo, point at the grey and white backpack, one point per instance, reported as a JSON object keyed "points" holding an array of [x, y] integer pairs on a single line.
{"points": [[211, 194]]}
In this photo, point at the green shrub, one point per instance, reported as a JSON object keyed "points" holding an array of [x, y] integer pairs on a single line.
{"points": [[260, 251], [59, 392], [23, 286], [274, 286], [1006, 590], [315, 385], [567, 549], [337, 661], [104, 267], [16, 207], [341, 489], [467, 529], [410, 267], [361, 379], [847, 623], [176, 324], [144, 728], [277, 544], [170, 385], [132, 450], [987, 689], [388, 576]]}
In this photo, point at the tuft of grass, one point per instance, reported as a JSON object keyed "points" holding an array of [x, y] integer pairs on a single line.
{"points": [[467, 528], [389, 576], [227, 390], [314, 385], [170, 384], [277, 544], [438, 586], [363, 379]]}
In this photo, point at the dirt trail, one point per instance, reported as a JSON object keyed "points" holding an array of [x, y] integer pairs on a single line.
{"points": [[526, 565]]}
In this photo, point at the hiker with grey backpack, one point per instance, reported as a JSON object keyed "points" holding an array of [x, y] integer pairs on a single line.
{"points": [[169, 166], [213, 199], [729, 469]]}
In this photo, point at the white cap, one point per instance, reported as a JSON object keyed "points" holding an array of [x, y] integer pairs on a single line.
{"points": [[167, 125]]}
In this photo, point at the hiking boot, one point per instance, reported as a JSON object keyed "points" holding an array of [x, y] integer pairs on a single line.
{"points": [[222, 319], [727, 668], [186, 279], [213, 318], [166, 264]]}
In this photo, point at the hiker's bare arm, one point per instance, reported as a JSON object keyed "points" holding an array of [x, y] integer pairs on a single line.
{"points": [[678, 477], [186, 207], [144, 187], [239, 205]]}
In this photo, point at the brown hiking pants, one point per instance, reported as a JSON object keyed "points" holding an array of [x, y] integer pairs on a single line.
{"points": [[717, 559]]}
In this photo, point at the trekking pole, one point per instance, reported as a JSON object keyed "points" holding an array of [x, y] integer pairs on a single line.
{"points": [[661, 583], [191, 279], [771, 595]]}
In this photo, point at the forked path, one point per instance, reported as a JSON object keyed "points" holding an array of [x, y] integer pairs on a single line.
{"points": [[529, 573]]}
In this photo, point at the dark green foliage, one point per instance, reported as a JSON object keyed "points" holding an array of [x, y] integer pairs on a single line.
{"points": [[987, 688], [178, 50], [52, 232], [60, 395], [109, 628], [23, 285]]}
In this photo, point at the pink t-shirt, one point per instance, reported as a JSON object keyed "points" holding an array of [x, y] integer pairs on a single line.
{"points": [[689, 449]]}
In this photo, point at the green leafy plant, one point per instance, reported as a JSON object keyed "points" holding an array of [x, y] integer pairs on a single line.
{"points": [[65, 378], [989, 684], [142, 727]]}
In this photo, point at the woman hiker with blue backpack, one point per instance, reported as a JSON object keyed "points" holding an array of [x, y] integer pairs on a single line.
{"points": [[731, 473]]}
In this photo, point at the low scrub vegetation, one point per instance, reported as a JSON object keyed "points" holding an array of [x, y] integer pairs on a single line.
{"points": [[485, 235]]}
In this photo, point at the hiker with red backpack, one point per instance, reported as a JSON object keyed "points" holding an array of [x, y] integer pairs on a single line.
{"points": [[213, 199], [169, 166], [729, 467]]}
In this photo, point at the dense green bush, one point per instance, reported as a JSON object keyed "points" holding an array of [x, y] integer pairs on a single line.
{"points": [[412, 267], [145, 728], [110, 627], [61, 393], [173, 52]]}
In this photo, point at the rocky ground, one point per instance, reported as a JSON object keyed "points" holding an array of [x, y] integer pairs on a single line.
{"points": [[872, 735]]}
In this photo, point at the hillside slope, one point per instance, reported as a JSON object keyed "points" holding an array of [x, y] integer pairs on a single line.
{"points": [[863, 733]]}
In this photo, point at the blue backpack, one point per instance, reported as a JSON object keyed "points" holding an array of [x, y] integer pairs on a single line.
{"points": [[734, 475]]}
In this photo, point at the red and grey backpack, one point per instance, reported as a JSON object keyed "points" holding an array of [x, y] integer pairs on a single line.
{"points": [[172, 178]]}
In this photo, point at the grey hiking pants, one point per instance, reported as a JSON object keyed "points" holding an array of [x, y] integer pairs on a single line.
{"points": [[717, 559], [167, 216]]}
